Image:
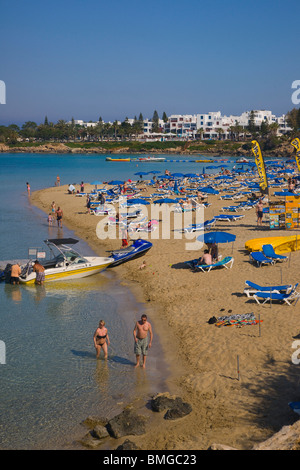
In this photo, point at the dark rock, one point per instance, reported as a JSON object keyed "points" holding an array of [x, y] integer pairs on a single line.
{"points": [[164, 401], [128, 445], [126, 423], [178, 411], [99, 432], [175, 406]]}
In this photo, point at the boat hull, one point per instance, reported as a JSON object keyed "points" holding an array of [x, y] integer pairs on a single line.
{"points": [[108, 159], [95, 266]]}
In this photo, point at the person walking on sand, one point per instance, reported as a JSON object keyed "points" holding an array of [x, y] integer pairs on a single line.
{"points": [[259, 212], [141, 344], [101, 339], [57, 182], [59, 216]]}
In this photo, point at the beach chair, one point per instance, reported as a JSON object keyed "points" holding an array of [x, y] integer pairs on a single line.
{"points": [[226, 262], [260, 259], [228, 217], [252, 288], [199, 227], [271, 296], [269, 252]]}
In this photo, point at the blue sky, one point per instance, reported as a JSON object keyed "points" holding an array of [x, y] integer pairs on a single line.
{"points": [[92, 58]]}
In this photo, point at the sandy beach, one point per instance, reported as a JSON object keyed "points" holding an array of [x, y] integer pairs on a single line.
{"points": [[235, 410]]}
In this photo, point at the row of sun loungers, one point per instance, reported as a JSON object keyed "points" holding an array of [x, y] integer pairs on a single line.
{"points": [[262, 294]]}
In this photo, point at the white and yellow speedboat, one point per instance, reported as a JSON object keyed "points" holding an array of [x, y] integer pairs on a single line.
{"points": [[67, 264]]}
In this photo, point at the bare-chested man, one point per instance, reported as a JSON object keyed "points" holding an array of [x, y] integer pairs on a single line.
{"points": [[140, 334]]}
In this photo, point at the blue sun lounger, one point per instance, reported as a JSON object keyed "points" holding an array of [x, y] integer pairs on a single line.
{"points": [[259, 258], [228, 217], [287, 298], [253, 288], [226, 262], [269, 252], [199, 227]]}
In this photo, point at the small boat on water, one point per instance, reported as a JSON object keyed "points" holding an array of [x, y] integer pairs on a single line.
{"points": [[109, 159], [150, 159], [65, 263], [137, 249], [204, 161], [242, 160]]}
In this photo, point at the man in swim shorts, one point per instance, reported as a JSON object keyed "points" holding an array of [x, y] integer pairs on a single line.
{"points": [[141, 344], [40, 273]]}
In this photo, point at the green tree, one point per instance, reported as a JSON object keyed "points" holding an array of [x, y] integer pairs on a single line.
{"points": [[28, 129], [293, 119], [155, 120], [165, 117]]}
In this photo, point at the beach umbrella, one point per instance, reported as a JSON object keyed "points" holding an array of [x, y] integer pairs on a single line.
{"points": [[178, 175], [95, 183], [191, 175], [284, 193], [137, 201], [208, 190], [216, 237], [165, 200], [141, 173], [115, 182]]}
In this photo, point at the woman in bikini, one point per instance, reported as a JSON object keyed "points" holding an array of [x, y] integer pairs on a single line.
{"points": [[101, 339]]}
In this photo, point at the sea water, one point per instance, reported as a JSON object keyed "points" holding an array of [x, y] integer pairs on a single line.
{"points": [[51, 381]]}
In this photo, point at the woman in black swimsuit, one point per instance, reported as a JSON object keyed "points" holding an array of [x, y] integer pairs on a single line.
{"points": [[101, 339]]}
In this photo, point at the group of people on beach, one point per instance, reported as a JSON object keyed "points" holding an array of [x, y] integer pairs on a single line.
{"points": [[15, 273], [143, 337], [55, 213]]}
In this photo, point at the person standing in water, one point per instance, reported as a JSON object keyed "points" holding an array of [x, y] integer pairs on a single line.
{"points": [[141, 344], [101, 339]]}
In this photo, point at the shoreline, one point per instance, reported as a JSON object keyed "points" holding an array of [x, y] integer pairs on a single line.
{"points": [[193, 148], [200, 357]]}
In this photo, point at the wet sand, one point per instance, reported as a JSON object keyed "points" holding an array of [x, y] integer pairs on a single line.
{"points": [[237, 410]]}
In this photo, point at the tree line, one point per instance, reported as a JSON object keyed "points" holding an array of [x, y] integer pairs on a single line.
{"points": [[70, 131]]}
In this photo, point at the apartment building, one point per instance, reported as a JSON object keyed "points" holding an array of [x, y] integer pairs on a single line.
{"points": [[210, 125]]}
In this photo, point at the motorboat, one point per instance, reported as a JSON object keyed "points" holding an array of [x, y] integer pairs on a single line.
{"points": [[137, 249], [64, 263], [109, 159], [242, 160], [151, 159]]}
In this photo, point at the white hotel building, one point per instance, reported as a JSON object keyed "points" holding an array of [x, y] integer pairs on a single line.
{"points": [[211, 125]]}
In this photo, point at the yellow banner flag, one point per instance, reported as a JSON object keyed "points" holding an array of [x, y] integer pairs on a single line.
{"points": [[260, 165], [296, 143]]}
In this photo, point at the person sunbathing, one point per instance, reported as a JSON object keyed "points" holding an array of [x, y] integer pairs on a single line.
{"points": [[206, 258]]}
